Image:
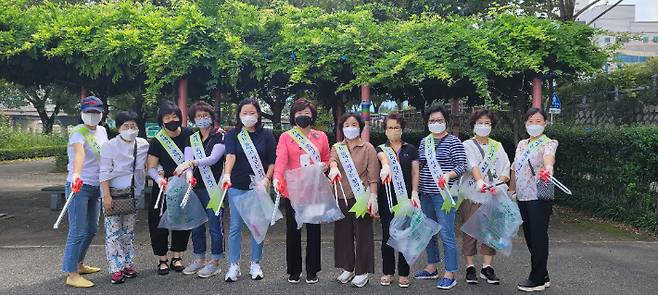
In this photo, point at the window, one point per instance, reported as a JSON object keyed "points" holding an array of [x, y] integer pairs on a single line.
{"points": [[655, 39], [645, 39], [606, 39]]}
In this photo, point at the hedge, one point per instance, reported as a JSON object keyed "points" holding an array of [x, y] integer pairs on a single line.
{"points": [[31, 152]]}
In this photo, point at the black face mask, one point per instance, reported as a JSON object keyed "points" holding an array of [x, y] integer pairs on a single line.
{"points": [[172, 125], [303, 121]]}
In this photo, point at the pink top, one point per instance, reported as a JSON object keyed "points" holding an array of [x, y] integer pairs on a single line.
{"points": [[288, 152]]}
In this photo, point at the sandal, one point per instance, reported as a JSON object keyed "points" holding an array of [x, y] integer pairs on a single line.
{"points": [[174, 267], [385, 280], [163, 271], [403, 282]]}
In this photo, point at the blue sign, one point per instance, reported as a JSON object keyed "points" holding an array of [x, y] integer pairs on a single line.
{"points": [[555, 101]]}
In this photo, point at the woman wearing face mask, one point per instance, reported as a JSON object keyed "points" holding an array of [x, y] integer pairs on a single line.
{"points": [[238, 174], [442, 162], [353, 235], [405, 156], [292, 154], [534, 162], [122, 168], [204, 151], [166, 150], [83, 150], [489, 166]]}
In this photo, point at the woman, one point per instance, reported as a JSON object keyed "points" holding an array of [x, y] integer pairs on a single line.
{"points": [[166, 150], [405, 156], [248, 132], [442, 162], [291, 154], [83, 167], [535, 154], [489, 166], [122, 167], [204, 150], [353, 235]]}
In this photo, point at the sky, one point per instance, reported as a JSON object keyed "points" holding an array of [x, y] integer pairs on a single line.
{"points": [[645, 10]]}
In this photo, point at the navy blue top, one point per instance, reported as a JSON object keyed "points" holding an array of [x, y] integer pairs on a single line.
{"points": [[265, 144], [451, 156]]}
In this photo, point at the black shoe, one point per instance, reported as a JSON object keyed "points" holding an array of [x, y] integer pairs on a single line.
{"points": [[163, 271], [294, 279], [174, 267], [530, 286], [488, 274], [471, 275], [311, 278], [547, 282]]}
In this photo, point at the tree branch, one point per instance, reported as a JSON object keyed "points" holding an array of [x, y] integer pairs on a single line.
{"points": [[588, 6]]}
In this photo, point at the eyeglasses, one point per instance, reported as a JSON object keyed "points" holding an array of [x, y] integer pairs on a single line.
{"points": [[436, 121]]}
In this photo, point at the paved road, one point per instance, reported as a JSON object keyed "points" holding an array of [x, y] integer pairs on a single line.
{"points": [[587, 257]]}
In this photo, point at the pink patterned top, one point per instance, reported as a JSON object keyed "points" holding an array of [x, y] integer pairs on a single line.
{"points": [[526, 183]]}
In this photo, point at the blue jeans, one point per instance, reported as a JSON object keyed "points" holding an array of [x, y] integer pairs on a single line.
{"points": [[216, 228], [83, 213], [235, 232], [431, 205]]}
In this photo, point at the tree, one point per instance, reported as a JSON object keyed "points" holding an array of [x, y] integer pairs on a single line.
{"points": [[41, 98]]}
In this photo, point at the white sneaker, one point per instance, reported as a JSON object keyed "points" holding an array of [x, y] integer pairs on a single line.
{"points": [[360, 281], [345, 277], [233, 273], [255, 271]]}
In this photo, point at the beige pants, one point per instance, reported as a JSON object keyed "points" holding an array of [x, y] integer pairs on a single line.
{"points": [[469, 244]]}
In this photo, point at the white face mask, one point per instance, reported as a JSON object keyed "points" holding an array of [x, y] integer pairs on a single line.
{"points": [[437, 127], [351, 132], [128, 134], [534, 130], [249, 121], [91, 119], [482, 130]]}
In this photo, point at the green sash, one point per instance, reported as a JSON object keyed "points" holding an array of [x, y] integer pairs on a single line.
{"points": [[89, 138], [214, 192]]}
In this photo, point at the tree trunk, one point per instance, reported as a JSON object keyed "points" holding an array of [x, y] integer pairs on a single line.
{"points": [[338, 108], [277, 109], [138, 107]]}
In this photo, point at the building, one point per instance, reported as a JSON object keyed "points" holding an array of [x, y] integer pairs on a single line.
{"points": [[28, 119]]}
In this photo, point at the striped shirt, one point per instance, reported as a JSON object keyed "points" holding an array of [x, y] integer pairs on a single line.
{"points": [[451, 156]]}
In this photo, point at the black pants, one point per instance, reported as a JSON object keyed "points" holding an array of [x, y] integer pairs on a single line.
{"points": [[536, 216], [388, 253], [294, 244], [160, 236]]}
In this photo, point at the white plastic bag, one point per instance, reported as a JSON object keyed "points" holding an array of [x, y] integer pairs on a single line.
{"points": [[311, 196], [256, 207], [176, 218], [410, 235], [495, 223]]}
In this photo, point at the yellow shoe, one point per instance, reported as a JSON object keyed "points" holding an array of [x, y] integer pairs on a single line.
{"points": [[79, 282], [86, 269]]}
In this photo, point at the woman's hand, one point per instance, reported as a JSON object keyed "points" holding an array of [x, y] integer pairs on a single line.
{"points": [[107, 202], [182, 167], [266, 183]]}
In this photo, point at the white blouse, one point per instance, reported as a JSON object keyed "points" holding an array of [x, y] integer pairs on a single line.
{"points": [[501, 167], [117, 163]]}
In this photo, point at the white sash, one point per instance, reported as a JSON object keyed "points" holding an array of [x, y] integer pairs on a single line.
{"points": [[533, 146], [171, 147], [434, 166], [350, 169], [396, 174], [206, 172], [306, 144], [252, 154]]}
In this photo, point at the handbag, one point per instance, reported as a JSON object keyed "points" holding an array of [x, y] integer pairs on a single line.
{"points": [[545, 190], [123, 200]]}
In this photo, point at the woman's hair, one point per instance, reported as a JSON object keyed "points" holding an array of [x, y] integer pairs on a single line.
{"points": [[396, 117], [348, 115], [479, 113], [300, 105], [202, 106], [168, 107], [531, 111], [433, 109], [124, 117], [244, 102]]}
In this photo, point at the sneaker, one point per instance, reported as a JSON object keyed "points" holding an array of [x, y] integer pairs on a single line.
{"points": [[345, 277], [209, 270], [530, 286], [118, 277], [426, 275], [80, 282], [294, 279], [233, 273], [547, 282], [129, 272], [488, 274], [471, 275], [255, 271], [360, 281], [193, 268], [311, 278], [446, 284]]}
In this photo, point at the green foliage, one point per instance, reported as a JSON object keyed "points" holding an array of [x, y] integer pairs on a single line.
{"points": [[31, 152], [14, 138]]}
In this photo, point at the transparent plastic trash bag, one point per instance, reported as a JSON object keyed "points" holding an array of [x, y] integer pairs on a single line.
{"points": [[256, 207], [176, 218], [496, 222], [410, 234], [311, 196]]}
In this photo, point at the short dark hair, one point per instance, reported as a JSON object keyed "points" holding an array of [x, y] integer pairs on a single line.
{"points": [[531, 111], [202, 106], [168, 107], [300, 105], [397, 117], [124, 117], [244, 102], [348, 115], [434, 109], [479, 113]]}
